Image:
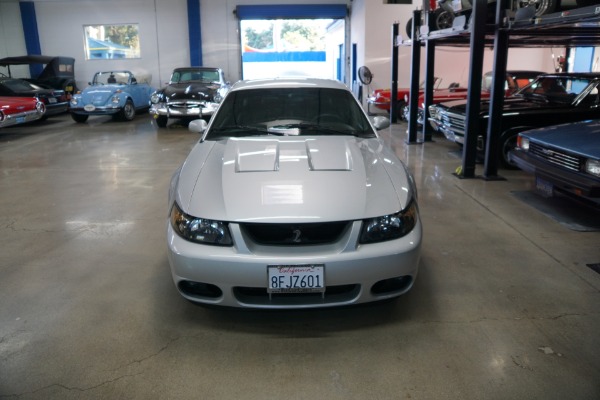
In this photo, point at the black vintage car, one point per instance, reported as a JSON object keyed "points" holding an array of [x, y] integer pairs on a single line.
{"points": [[55, 100], [46, 71], [192, 93], [549, 100]]}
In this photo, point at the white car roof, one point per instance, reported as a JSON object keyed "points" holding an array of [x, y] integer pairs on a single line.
{"points": [[288, 83]]}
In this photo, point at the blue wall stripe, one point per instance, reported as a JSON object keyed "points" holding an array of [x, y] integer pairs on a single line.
{"points": [[298, 11], [30, 32], [195, 32]]}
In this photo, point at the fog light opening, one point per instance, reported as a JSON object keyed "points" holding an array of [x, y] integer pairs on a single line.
{"points": [[392, 285], [199, 289]]}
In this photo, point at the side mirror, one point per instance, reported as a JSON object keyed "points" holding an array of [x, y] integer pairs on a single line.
{"points": [[380, 122], [133, 81], [198, 126]]}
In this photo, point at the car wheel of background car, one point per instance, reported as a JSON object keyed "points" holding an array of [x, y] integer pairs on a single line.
{"points": [[508, 142], [79, 118], [128, 111], [541, 6], [161, 121], [442, 19], [400, 106]]}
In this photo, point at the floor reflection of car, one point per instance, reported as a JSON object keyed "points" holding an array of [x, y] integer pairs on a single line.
{"points": [[291, 200], [564, 159], [54, 100], [117, 93], [549, 100], [20, 110], [193, 92], [514, 80]]}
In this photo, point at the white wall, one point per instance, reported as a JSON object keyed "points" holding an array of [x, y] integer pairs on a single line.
{"points": [[165, 41]]}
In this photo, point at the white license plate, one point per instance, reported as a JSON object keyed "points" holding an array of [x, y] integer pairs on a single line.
{"points": [[89, 107], [51, 100], [307, 278], [545, 188]]}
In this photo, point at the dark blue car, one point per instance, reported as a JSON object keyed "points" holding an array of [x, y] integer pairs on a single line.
{"points": [[563, 158]]}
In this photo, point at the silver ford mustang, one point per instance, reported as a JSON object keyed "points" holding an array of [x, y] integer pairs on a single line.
{"points": [[291, 200]]}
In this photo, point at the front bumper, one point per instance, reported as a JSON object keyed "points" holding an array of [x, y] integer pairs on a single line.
{"points": [[87, 110], [184, 110], [563, 180], [238, 275]]}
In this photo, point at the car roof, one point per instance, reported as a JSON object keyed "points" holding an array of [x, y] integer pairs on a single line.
{"points": [[288, 83]]}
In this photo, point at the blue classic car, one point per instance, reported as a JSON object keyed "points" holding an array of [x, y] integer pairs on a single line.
{"points": [[563, 158], [116, 93]]}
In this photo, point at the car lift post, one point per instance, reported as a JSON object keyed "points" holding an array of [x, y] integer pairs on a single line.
{"points": [[414, 79], [394, 64]]}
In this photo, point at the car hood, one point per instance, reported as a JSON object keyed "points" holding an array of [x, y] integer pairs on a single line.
{"points": [[292, 179], [582, 138], [199, 91], [99, 94], [511, 105]]}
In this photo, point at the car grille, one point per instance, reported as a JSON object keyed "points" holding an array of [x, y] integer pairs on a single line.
{"points": [[186, 105], [453, 122], [556, 157], [296, 234]]}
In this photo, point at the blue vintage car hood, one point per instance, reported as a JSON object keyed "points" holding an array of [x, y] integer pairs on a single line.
{"points": [[582, 138]]}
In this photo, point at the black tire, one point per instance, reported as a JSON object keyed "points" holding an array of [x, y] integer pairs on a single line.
{"points": [[541, 6], [161, 121], [507, 143], [442, 19], [80, 118], [128, 111]]}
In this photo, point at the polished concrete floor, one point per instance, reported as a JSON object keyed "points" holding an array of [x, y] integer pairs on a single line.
{"points": [[506, 305]]}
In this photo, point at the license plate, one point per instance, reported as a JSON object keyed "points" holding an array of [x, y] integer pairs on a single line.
{"points": [[307, 278], [51, 100], [544, 187], [89, 107], [20, 120]]}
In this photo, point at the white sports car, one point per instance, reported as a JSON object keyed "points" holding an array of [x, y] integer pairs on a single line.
{"points": [[291, 200]]}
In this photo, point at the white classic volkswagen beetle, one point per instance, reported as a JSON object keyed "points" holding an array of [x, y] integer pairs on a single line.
{"points": [[291, 200]]}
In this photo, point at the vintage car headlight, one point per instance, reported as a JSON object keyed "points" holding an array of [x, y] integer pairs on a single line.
{"points": [[389, 227], [522, 142], [433, 112], [74, 101], [217, 98], [592, 167], [40, 107], [155, 98], [200, 230], [115, 100]]}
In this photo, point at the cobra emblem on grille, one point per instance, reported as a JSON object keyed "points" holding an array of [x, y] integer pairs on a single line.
{"points": [[297, 234]]}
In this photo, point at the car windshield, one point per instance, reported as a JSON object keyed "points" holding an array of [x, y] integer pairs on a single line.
{"points": [[289, 112], [205, 76], [17, 85], [556, 89], [111, 78]]}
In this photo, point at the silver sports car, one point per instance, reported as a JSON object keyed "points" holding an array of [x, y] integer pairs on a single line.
{"points": [[291, 200]]}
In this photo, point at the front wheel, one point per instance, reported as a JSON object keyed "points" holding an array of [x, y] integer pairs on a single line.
{"points": [[79, 118], [442, 19], [507, 143], [128, 111], [161, 121]]}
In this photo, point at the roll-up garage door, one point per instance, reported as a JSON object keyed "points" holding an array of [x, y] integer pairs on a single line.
{"points": [[293, 11]]}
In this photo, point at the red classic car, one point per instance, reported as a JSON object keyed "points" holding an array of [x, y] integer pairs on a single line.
{"points": [[18, 110], [515, 80], [381, 98]]}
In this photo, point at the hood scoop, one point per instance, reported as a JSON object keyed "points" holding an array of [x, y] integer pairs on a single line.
{"points": [[269, 155]]}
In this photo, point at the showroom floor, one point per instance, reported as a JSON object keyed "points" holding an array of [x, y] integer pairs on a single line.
{"points": [[506, 305]]}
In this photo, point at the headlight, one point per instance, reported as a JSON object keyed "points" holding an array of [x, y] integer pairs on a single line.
{"points": [[218, 98], [433, 111], [115, 100], [155, 98], [592, 167], [523, 142], [74, 101], [389, 227], [200, 230]]}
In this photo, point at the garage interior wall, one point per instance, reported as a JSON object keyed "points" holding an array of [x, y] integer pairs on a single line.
{"points": [[164, 37]]}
